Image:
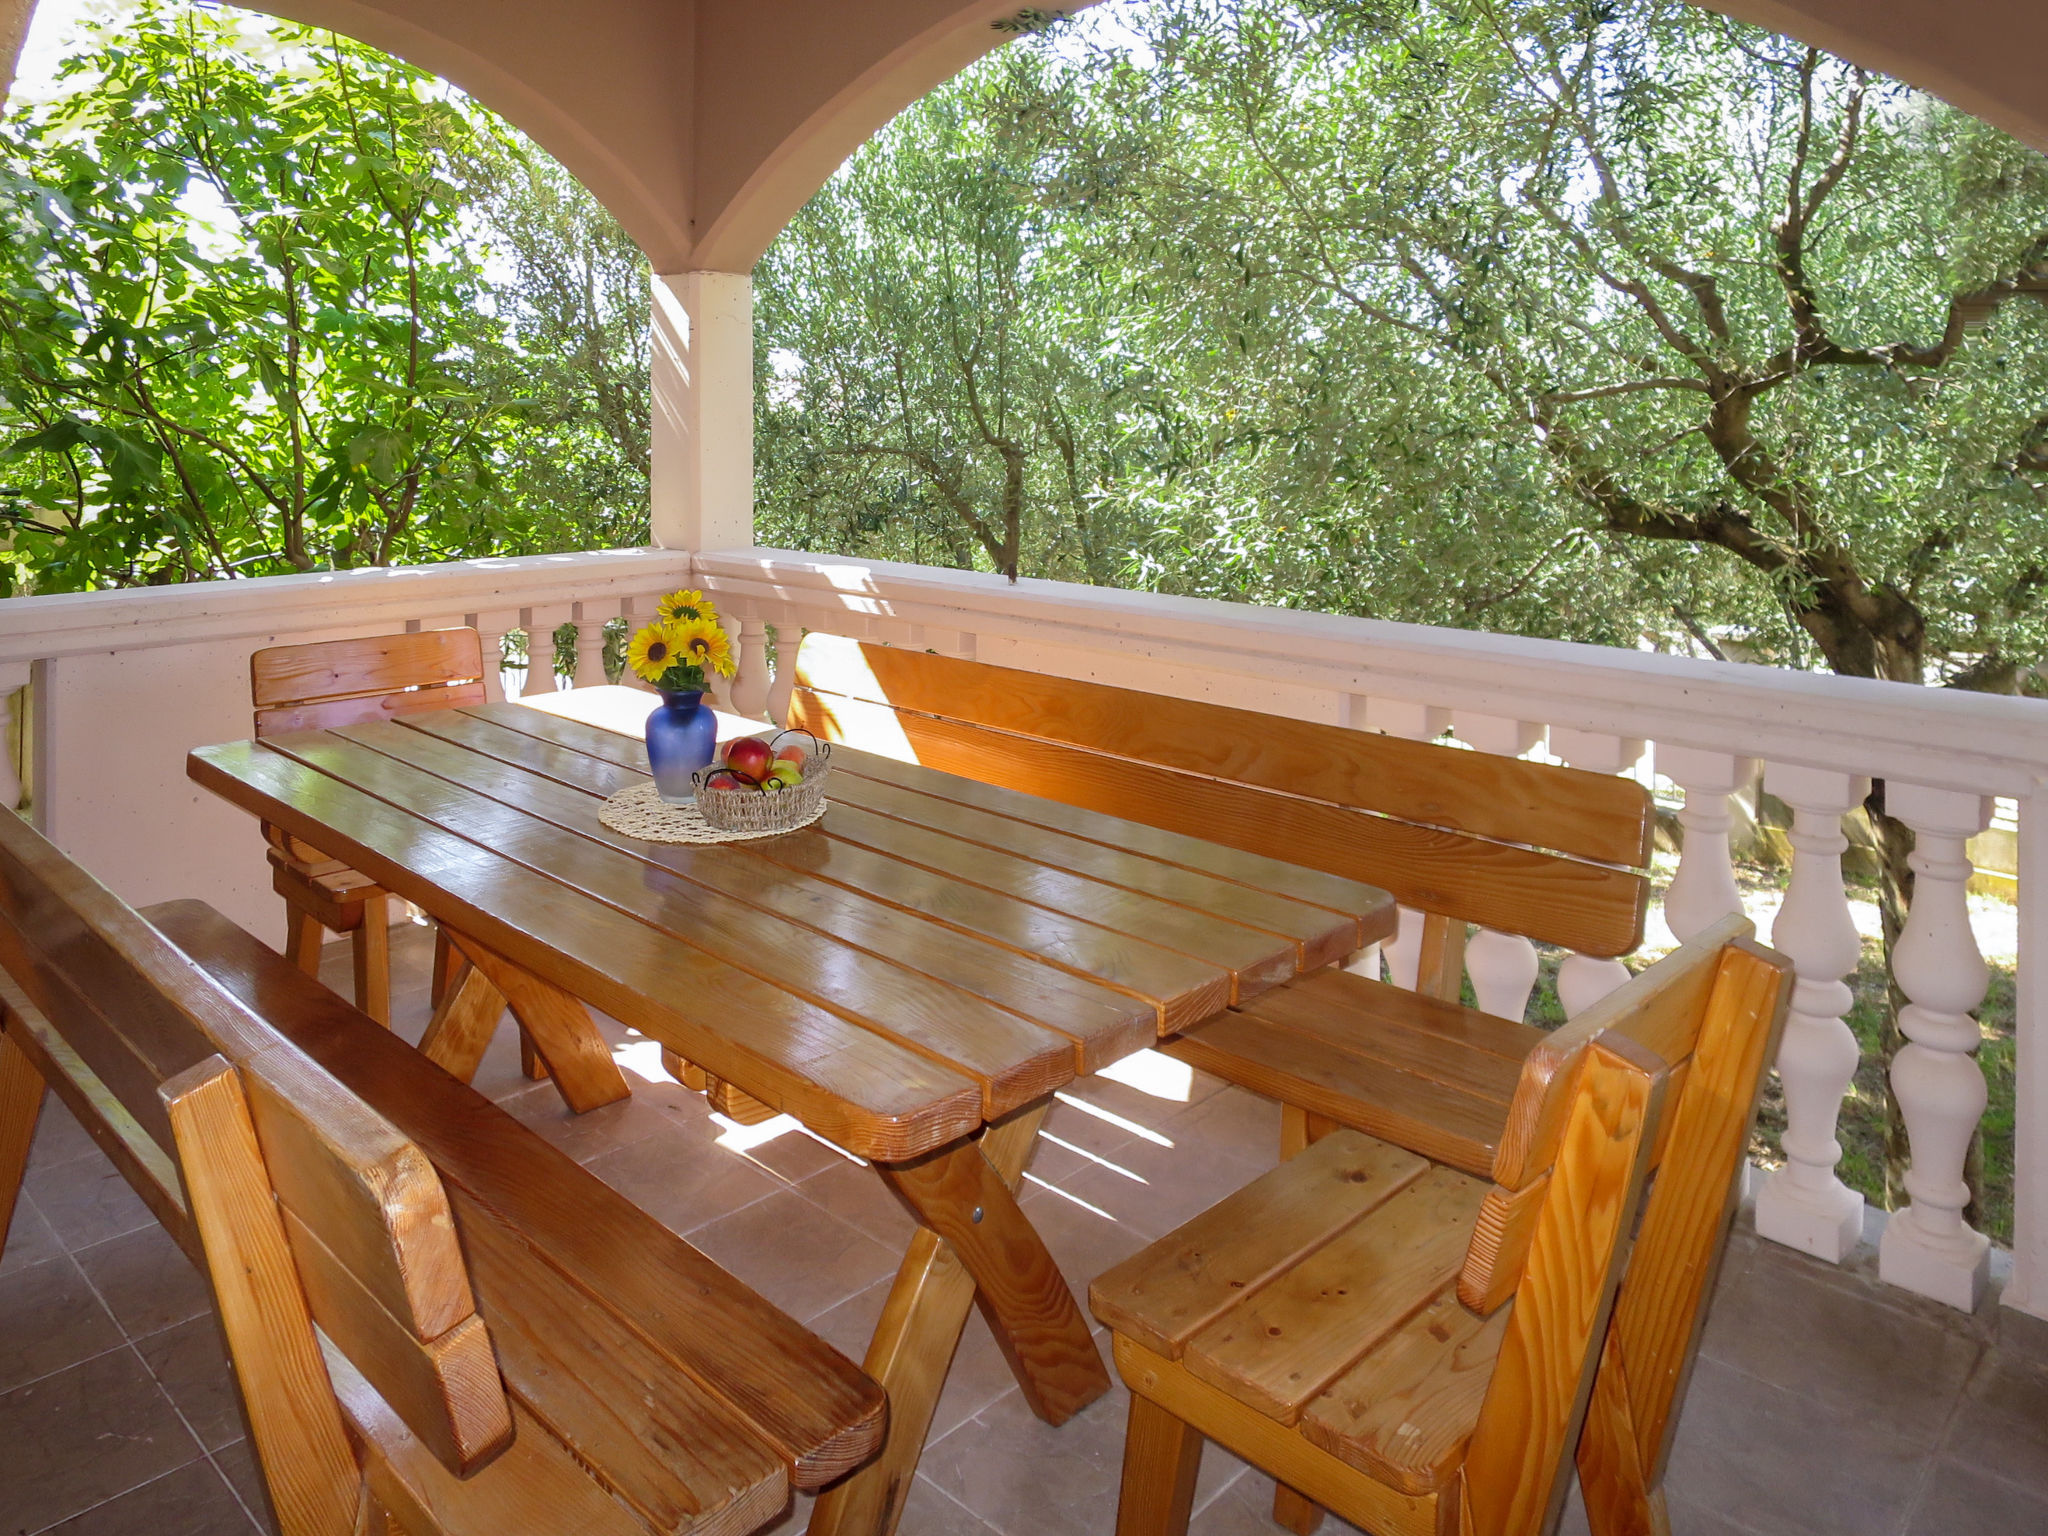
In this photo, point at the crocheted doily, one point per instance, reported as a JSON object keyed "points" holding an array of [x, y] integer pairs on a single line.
{"points": [[639, 812]]}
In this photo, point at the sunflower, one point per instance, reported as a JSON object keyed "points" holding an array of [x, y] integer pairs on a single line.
{"points": [[686, 604], [702, 643], [656, 648]]}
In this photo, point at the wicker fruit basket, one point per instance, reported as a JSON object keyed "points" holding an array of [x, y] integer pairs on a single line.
{"points": [[771, 810]]}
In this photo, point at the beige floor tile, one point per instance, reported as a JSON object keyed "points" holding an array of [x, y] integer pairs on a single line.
{"points": [[792, 1252], [858, 1195], [1083, 1238], [30, 1239], [681, 1179], [1154, 1189], [85, 1201], [191, 1365], [59, 1136]]}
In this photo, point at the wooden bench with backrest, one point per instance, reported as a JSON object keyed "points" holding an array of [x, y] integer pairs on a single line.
{"points": [[1417, 1348], [1463, 837], [432, 1315], [323, 684]]}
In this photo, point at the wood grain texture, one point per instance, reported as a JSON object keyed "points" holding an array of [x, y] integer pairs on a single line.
{"points": [[1169, 1291], [446, 1389], [329, 713], [301, 1446], [1440, 1122], [560, 1027], [1351, 1021], [1162, 1459], [1284, 1453], [1102, 1023], [1440, 962], [332, 669], [1296, 1512], [958, 1194], [1404, 1413], [21, 1104], [1594, 908], [853, 1087], [1619, 1495], [1285, 1342], [1594, 816], [1370, 905], [803, 1396], [462, 1026], [1500, 1244], [912, 1348], [736, 1104], [1515, 1467], [1684, 1232]]}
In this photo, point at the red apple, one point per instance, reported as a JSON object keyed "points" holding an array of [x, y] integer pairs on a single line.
{"points": [[749, 755]]}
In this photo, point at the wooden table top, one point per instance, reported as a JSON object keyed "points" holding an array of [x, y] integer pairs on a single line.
{"points": [[932, 954]]}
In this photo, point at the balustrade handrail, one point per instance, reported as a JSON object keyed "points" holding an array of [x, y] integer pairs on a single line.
{"points": [[44, 627], [1942, 738]]}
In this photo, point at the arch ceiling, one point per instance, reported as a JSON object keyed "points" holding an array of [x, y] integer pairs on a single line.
{"points": [[703, 125]]}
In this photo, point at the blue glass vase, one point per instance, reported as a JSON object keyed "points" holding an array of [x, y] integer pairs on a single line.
{"points": [[682, 736]]}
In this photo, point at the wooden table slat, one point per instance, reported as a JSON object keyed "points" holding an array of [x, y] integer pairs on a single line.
{"points": [[849, 1084]]}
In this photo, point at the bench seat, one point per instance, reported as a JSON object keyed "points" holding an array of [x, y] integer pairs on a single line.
{"points": [[1427, 1075]]}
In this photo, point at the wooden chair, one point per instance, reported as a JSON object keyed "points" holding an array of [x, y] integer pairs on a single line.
{"points": [[1415, 1348], [434, 1318], [321, 686]]}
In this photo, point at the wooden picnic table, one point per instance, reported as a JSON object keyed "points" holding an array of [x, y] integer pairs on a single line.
{"points": [[911, 977]]}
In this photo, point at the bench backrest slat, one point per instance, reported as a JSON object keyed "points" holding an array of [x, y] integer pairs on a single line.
{"points": [[1443, 829], [326, 684], [373, 1231]]}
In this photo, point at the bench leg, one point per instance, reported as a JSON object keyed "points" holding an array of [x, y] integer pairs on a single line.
{"points": [[21, 1103], [1296, 1512], [461, 1029], [1162, 1459], [561, 1028], [1619, 1500], [303, 936], [370, 946], [912, 1349]]}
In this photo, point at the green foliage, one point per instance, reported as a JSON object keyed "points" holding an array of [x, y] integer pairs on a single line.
{"points": [[246, 324], [1531, 315]]}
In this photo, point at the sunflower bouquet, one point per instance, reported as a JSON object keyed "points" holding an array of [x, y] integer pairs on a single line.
{"points": [[683, 646]]}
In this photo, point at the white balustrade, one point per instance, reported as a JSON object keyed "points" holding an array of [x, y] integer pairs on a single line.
{"points": [[1503, 966], [750, 685], [1928, 1247], [1582, 980], [1805, 1204], [491, 627], [13, 679], [540, 625], [591, 619], [1703, 890]]}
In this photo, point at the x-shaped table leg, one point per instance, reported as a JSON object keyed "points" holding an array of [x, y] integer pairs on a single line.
{"points": [[973, 1245]]}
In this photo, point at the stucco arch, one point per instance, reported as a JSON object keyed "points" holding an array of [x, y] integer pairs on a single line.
{"points": [[704, 125]]}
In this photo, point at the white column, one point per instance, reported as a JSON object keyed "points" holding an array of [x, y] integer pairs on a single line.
{"points": [[1413, 722], [789, 634], [1804, 1204], [701, 443], [540, 625], [1703, 890], [1503, 966], [1928, 1247], [491, 629], [13, 678], [1582, 980], [750, 684], [2027, 1290], [590, 621]]}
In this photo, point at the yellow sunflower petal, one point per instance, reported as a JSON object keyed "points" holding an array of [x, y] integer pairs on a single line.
{"points": [[653, 651], [702, 642], [685, 604]]}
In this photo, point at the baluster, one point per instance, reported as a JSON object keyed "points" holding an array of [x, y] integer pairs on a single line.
{"points": [[13, 712], [591, 619], [1413, 722], [540, 625], [750, 685], [491, 629], [1503, 966], [1703, 891], [1804, 1204], [1928, 1247], [1582, 980]]}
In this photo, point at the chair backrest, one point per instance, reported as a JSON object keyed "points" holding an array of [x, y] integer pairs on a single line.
{"points": [[123, 1026], [1707, 1015], [328, 683], [1529, 848]]}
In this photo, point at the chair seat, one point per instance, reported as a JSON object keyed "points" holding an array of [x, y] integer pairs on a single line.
{"points": [[1424, 1074], [335, 895], [1324, 1295]]}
